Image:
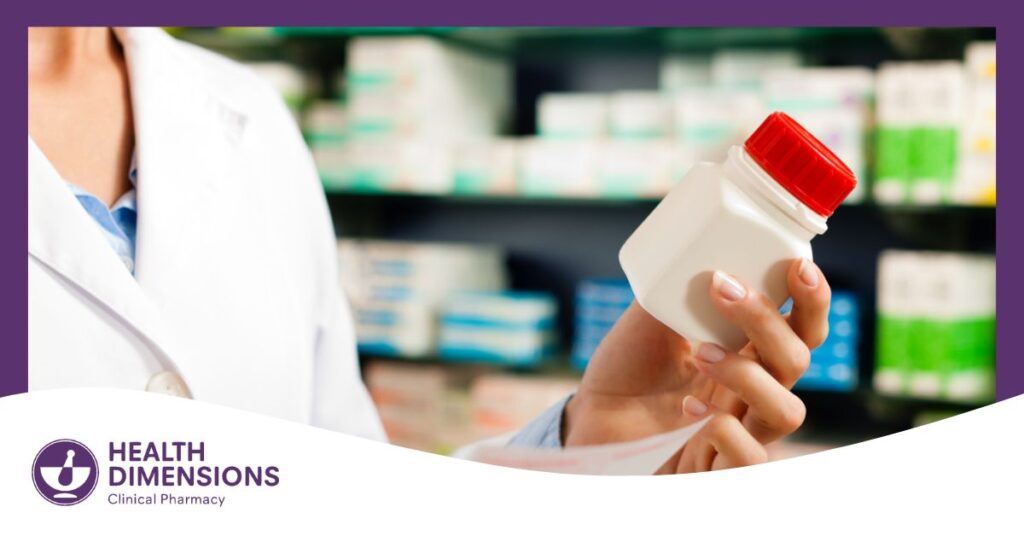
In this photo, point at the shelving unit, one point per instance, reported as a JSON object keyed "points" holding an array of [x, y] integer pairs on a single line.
{"points": [[553, 243]]}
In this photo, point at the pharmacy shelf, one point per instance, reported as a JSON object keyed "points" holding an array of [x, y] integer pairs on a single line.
{"points": [[833, 417], [556, 41], [885, 401], [868, 398], [382, 215], [862, 45], [849, 417], [555, 366], [513, 200], [528, 40], [554, 243]]}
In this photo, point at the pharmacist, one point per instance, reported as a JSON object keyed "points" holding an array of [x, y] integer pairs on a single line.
{"points": [[180, 243]]}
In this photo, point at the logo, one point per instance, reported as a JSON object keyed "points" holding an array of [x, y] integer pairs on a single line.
{"points": [[65, 472]]}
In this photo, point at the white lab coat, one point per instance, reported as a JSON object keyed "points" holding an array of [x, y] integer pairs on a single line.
{"points": [[235, 298]]}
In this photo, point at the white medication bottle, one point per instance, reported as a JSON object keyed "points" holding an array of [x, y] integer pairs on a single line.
{"points": [[749, 216]]}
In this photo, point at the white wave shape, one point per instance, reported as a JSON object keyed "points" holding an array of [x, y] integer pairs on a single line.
{"points": [[959, 475]]}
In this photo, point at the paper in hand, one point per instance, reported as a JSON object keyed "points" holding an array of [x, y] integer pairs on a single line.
{"points": [[640, 457]]}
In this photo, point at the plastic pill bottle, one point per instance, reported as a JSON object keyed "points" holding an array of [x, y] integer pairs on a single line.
{"points": [[749, 216]]}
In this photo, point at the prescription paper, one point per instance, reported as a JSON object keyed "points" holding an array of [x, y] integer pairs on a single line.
{"points": [[640, 457]]}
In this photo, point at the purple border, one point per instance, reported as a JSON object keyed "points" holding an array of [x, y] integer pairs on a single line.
{"points": [[13, 216], [523, 12], [1010, 368]]}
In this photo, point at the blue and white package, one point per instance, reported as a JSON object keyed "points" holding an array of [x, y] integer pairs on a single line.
{"points": [[833, 365], [599, 304], [512, 328], [386, 328], [396, 289]]}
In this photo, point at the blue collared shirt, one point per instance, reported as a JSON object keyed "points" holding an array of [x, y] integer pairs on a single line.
{"points": [[545, 431], [118, 224]]}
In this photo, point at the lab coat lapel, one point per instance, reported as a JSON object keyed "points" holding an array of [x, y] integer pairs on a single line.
{"points": [[185, 146], [62, 236], [184, 140], [183, 152]]}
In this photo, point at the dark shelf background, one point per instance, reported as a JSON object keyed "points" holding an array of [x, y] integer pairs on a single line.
{"points": [[555, 243]]}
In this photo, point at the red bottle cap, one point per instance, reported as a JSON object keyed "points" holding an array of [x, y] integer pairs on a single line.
{"points": [[800, 163]]}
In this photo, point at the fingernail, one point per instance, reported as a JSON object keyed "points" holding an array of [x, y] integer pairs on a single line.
{"points": [[808, 274], [709, 353], [728, 287], [693, 406]]}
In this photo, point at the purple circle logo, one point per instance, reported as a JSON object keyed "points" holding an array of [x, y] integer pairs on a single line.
{"points": [[65, 472]]}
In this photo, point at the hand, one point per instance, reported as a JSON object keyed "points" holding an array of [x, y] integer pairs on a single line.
{"points": [[645, 379]]}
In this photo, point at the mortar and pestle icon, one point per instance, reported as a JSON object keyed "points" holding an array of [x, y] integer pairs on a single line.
{"points": [[66, 478]]}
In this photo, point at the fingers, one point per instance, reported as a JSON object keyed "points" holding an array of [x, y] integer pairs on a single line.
{"points": [[811, 298], [732, 444], [694, 407], [773, 411], [735, 446], [783, 353]]}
